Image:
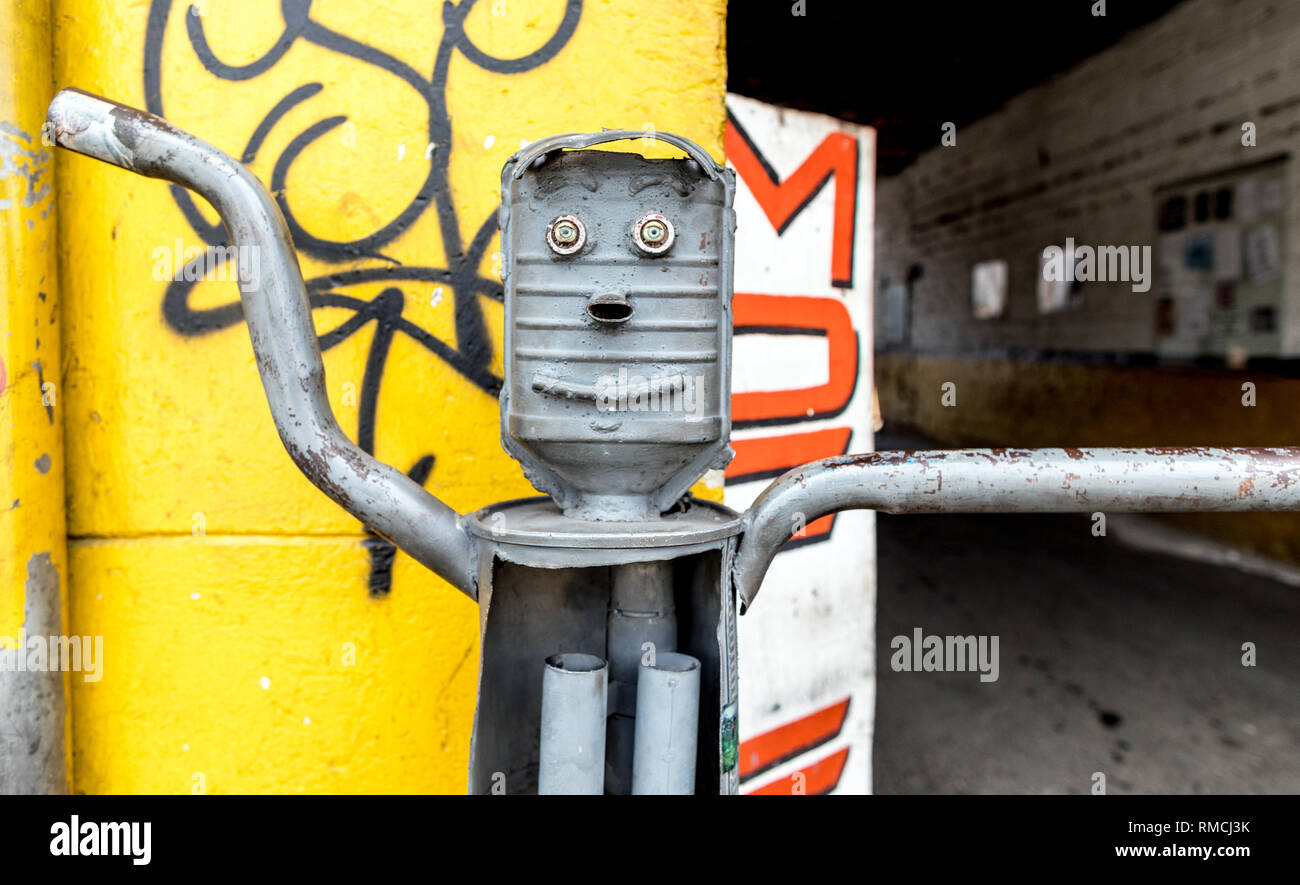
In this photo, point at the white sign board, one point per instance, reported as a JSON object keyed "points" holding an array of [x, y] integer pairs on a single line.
{"points": [[801, 390]]}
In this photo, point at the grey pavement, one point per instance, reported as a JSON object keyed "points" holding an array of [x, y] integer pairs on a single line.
{"points": [[1112, 660]]}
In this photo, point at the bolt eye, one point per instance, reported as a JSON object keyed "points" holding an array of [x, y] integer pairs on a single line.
{"points": [[653, 234], [565, 235]]}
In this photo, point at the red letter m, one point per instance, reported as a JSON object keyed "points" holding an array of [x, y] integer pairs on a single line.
{"points": [[781, 201]]}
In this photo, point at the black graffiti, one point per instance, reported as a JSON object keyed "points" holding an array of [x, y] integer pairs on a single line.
{"points": [[471, 355]]}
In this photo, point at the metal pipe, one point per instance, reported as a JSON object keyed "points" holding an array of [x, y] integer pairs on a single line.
{"points": [[280, 325], [572, 752], [1156, 480], [667, 726], [640, 611]]}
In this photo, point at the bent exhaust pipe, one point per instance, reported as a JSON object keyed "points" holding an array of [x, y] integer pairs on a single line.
{"points": [[1156, 480], [279, 324]]}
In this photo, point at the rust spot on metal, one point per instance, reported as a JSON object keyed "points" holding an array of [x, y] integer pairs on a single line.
{"points": [[130, 124], [1073, 454], [315, 463]]}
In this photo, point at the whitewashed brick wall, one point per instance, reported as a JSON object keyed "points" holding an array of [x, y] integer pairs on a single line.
{"points": [[1080, 156]]}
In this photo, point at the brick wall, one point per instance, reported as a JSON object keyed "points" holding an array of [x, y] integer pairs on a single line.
{"points": [[1080, 156]]}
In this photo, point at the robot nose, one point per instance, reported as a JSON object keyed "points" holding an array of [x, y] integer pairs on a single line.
{"points": [[611, 307]]}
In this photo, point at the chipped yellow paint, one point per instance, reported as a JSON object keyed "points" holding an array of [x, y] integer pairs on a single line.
{"points": [[32, 519], [199, 553], [31, 438]]}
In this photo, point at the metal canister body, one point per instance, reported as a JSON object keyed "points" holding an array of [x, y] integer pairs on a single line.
{"points": [[618, 325], [546, 585]]}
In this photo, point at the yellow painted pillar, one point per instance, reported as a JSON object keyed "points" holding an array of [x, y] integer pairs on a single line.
{"points": [[33, 561], [256, 638]]}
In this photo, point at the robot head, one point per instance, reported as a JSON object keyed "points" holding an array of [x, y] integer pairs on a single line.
{"points": [[617, 272]]}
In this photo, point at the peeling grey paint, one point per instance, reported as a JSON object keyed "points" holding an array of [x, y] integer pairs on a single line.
{"points": [[32, 759], [43, 463], [31, 162]]}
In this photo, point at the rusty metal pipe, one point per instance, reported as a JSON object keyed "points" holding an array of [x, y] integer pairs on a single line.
{"points": [[279, 323], [1160, 480]]}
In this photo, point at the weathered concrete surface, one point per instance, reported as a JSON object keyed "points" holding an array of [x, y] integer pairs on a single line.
{"points": [[32, 712], [1112, 661]]}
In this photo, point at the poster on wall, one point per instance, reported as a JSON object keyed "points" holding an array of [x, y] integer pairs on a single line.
{"points": [[1221, 257], [801, 390]]}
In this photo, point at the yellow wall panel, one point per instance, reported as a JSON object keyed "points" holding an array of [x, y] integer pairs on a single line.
{"points": [[31, 444], [33, 567], [253, 662]]}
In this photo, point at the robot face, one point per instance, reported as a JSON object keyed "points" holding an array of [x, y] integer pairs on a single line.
{"points": [[618, 281]]}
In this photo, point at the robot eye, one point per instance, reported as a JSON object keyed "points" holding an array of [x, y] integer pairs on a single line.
{"points": [[565, 235], [653, 234]]}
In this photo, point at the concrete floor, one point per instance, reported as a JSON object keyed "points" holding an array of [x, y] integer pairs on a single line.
{"points": [[1112, 660]]}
